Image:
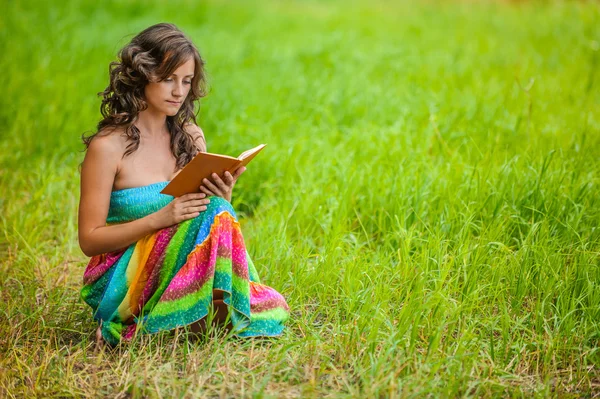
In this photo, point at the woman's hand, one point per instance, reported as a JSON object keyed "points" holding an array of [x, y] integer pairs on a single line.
{"points": [[182, 208], [221, 187]]}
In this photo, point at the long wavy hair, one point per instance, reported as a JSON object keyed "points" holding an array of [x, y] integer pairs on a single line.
{"points": [[152, 55]]}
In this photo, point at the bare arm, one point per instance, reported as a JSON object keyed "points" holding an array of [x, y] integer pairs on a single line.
{"points": [[97, 176], [98, 172]]}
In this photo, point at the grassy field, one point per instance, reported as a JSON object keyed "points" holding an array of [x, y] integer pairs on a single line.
{"points": [[428, 202]]}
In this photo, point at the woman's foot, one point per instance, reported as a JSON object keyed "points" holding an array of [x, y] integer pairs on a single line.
{"points": [[99, 339], [220, 312]]}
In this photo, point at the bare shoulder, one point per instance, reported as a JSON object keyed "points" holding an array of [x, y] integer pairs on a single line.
{"points": [[105, 151], [197, 135], [109, 142]]}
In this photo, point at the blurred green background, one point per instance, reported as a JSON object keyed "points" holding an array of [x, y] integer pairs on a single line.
{"points": [[428, 202]]}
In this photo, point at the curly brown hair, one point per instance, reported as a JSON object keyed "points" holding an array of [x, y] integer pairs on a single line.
{"points": [[152, 55]]}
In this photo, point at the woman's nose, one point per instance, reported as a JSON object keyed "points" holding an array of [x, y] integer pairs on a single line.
{"points": [[178, 90]]}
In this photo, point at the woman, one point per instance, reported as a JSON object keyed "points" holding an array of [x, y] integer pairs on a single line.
{"points": [[159, 262]]}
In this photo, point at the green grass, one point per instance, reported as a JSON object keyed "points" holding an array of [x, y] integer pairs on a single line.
{"points": [[428, 202]]}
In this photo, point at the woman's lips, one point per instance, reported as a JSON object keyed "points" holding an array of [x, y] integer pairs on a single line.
{"points": [[174, 102]]}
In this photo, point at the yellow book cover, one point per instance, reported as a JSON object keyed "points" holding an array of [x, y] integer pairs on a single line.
{"points": [[203, 165]]}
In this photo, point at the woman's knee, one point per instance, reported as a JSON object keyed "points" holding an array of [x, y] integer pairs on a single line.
{"points": [[218, 200], [221, 202]]}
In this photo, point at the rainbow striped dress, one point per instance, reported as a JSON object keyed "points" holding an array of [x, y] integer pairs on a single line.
{"points": [[166, 279]]}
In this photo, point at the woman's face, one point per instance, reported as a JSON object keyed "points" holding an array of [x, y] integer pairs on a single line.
{"points": [[167, 95]]}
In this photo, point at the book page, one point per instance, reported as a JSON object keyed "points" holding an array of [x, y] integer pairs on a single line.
{"points": [[250, 151]]}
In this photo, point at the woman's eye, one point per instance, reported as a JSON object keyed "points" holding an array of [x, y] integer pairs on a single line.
{"points": [[168, 80], [188, 83]]}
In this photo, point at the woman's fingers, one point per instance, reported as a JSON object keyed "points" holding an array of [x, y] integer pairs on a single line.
{"points": [[193, 211], [220, 183], [196, 208], [221, 187], [197, 202], [192, 214], [206, 191], [228, 178], [238, 172], [191, 196], [208, 184]]}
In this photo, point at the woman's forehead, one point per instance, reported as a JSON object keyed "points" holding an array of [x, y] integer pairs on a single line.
{"points": [[185, 69]]}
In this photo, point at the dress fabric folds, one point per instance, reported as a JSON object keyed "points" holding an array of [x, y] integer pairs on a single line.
{"points": [[167, 278]]}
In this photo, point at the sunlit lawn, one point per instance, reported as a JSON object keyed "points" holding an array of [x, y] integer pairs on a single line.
{"points": [[428, 202]]}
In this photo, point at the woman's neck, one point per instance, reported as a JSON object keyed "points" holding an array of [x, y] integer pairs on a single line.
{"points": [[151, 123]]}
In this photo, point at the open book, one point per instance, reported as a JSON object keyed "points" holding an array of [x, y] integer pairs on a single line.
{"points": [[203, 165]]}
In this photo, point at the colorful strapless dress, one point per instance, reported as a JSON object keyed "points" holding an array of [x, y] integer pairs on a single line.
{"points": [[167, 278]]}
